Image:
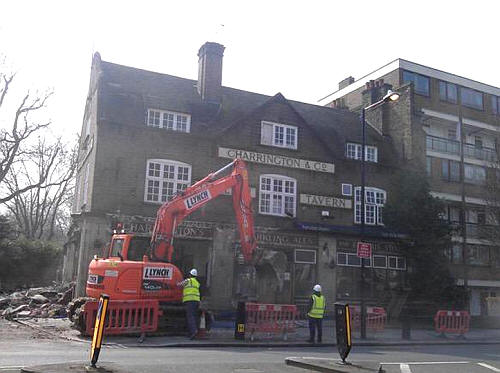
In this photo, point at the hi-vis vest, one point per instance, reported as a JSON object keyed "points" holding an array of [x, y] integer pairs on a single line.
{"points": [[318, 307], [191, 290]]}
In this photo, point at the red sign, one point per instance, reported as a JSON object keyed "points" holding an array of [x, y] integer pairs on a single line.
{"points": [[364, 250]]}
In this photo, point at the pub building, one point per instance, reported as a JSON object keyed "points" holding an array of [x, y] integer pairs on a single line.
{"points": [[147, 136]]}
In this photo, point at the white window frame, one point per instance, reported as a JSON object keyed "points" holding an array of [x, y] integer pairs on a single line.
{"points": [[303, 262], [177, 184], [269, 194], [349, 192], [368, 261], [268, 135], [353, 151], [375, 199], [380, 256], [397, 258], [169, 120]]}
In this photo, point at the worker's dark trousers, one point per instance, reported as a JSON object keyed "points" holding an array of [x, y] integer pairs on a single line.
{"points": [[314, 324], [192, 316]]}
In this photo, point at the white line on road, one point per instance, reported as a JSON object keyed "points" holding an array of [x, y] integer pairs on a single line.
{"points": [[489, 367], [405, 368], [11, 367], [428, 362]]}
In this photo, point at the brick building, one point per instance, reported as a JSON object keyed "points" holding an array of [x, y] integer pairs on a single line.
{"points": [[146, 135], [439, 115]]}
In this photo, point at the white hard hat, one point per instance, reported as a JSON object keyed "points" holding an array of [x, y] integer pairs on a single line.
{"points": [[317, 288], [193, 272]]}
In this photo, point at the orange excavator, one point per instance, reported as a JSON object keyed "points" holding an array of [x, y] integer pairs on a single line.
{"points": [[136, 272]]}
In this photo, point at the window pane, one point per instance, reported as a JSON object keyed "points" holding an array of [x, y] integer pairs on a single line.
{"points": [[341, 259], [290, 137], [379, 261], [452, 92], [494, 104], [471, 98], [392, 262], [278, 135], [277, 185], [277, 204], [454, 171], [429, 166], [442, 90], [265, 203], [353, 260]]}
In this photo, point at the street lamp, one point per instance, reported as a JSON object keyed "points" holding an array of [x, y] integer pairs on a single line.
{"points": [[389, 96]]}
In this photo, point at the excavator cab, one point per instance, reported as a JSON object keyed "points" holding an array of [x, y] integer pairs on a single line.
{"points": [[128, 247]]}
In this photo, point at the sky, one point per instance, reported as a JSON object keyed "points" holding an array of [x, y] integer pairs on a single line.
{"points": [[299, 48]]}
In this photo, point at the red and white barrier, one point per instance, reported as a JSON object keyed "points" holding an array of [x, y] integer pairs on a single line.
{"points": [[270, 318], [376, 318], [456, 322]]}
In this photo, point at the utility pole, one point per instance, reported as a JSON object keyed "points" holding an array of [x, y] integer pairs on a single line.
{"points": [[463, 203]]}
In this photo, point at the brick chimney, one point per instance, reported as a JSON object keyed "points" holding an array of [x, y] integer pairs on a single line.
{"points": [[346, 82], [374, 91], [210, 72]]}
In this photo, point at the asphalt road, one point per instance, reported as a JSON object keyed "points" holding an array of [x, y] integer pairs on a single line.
{"points": [[410, 359], [21, 346]]}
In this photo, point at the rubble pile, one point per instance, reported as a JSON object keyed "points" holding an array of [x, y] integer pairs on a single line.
{"points": [[43, 302]]}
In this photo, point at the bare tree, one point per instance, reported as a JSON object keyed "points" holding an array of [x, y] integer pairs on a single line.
{"points": [[15, 138], [42, 212]]}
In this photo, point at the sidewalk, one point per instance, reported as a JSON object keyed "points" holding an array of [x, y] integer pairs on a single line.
{"points": [[222, 335]]}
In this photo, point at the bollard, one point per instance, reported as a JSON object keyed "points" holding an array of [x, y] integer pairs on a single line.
{"points": [[239, 325], [406, 327]]}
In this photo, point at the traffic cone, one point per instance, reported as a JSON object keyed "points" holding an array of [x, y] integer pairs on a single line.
{"points": [[202, 330]]}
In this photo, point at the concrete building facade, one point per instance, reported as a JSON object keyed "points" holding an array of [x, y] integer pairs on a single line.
{"points": [[447, 126]]}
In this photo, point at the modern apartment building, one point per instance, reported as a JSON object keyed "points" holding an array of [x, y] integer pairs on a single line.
{"points": [[448, 126]]}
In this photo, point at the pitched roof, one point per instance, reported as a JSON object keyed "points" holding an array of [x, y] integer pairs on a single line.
{"points": [[335, 126]]}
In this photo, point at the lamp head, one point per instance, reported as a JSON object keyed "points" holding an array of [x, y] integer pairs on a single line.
{"points": [[391, 96]]}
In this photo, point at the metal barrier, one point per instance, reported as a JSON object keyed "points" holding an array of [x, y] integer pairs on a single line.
{"points": [[124, 317], [376, 318], [456, 322], [270, 318]]}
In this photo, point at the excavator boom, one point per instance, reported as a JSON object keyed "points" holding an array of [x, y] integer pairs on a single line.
{"points": [[173, 212]]}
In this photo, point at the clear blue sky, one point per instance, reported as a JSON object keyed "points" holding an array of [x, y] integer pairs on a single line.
{"points": [[302, 49]]}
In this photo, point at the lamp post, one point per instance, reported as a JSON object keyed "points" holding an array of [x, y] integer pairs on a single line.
{"points": [[390, 96]]}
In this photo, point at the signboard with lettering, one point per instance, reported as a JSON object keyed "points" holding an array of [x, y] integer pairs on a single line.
{"points": [[277, 160], [286, 240], [364, 250], [326, 201]]}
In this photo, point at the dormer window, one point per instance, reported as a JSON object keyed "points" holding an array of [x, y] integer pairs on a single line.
{"points": [[353, 151], [169, 120], [280, 135]]}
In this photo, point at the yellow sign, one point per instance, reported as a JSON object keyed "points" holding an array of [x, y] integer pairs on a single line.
{"points": [[241, 328], [99, 329]]}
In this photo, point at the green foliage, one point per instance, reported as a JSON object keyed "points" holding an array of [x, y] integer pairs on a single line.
{"points": [[25, 262], [413, 211]]}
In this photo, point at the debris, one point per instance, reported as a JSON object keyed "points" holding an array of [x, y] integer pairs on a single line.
{"points": [[37, 302]]}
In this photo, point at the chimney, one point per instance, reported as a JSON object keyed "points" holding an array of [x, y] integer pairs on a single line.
{"points": [[374, 91], [347, 81], [210, 72]]}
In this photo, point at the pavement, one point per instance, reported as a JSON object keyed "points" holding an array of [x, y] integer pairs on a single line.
{"points": [[222, 335]]}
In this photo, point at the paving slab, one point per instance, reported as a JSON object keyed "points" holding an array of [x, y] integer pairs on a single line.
{"points": [[334, 365], [83, 367]]}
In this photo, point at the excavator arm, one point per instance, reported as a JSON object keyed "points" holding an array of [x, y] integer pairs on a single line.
{"points": [[173, 212]]}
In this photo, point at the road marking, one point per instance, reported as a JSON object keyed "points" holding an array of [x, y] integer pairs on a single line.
{"points": [[405, 368], [484, 365], [428, 362]]}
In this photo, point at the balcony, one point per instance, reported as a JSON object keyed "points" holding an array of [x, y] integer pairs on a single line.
{"points": [[442, 145], [478, 231]]}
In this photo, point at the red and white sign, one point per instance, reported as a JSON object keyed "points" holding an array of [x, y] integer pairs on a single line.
{"points": [[364, 250]]}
